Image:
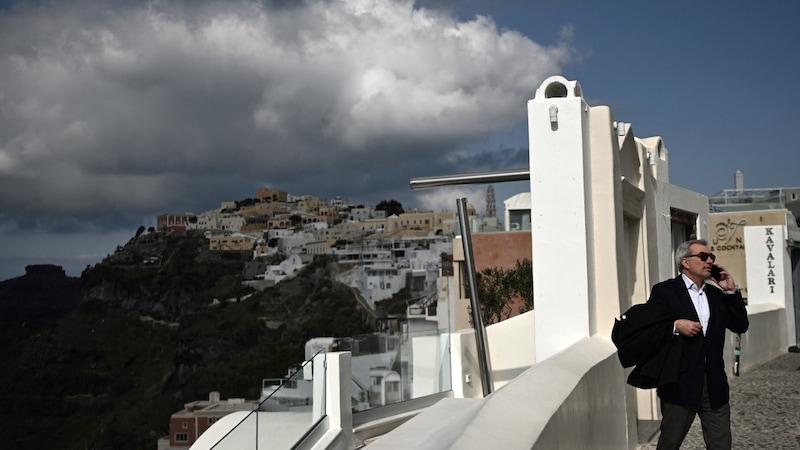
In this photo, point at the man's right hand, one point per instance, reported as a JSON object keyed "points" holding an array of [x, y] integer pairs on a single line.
{"points": [[688, 328]]}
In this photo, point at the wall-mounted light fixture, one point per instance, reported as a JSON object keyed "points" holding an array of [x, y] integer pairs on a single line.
{"points": [[553, 117]]}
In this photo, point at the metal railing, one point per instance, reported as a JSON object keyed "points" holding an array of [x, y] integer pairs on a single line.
{"points": [[500, 176]]}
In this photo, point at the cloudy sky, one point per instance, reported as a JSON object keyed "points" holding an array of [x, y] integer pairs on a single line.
{"points": [[112, 112]]}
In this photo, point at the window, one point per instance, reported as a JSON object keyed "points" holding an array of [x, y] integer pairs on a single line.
{"points": [[212, 420], [185, 425], [181, 437]]}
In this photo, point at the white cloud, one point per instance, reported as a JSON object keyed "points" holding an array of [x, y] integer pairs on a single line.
{"points": [[445, 199], [142, 109]]}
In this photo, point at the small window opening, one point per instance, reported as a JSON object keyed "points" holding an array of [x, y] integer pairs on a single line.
{"points": [[555, 90]]}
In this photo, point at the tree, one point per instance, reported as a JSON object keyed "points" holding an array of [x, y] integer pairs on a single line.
{"points": [[245, 203], [392, 207], [498, 288], [139, 231], [494, 293], [521, 281], [295, 220]]}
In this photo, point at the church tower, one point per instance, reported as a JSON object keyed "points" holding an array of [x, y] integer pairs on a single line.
{"points": [[490, 208]]}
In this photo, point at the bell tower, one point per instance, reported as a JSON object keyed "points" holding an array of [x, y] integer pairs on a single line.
{"points": [[490, 203]]}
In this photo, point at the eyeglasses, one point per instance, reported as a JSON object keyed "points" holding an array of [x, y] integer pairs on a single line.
{"points": [[704, 256]]}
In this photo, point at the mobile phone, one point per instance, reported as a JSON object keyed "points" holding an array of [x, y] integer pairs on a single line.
{"points": [[716, 272]]}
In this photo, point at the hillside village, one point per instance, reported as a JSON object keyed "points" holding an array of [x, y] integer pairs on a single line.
{"points": [[380, 252], [387, 251]]}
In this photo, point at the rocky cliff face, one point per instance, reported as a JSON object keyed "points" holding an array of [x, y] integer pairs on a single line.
{"points": [[164, 276], [99, 376], [27, 303]]}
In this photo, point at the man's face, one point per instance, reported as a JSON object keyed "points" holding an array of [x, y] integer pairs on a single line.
{"points": [[694, 266]]}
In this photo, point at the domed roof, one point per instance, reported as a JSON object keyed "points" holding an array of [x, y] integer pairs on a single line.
{"points": [[519, 201]]}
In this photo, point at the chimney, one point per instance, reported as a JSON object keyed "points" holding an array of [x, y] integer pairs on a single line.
{"points": [[738, 180], [213, 397]]}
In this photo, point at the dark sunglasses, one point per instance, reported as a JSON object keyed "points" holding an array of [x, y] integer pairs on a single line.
{"points": [[704, 256]]}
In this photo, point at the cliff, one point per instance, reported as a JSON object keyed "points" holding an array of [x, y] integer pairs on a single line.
{"points": [[161, 322], [27, 303], [164, 276]]}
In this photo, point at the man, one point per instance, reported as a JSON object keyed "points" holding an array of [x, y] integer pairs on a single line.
{"points": [[703, 312]]}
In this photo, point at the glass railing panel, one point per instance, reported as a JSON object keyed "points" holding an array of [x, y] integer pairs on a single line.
{"points": [[289, 407], [392, 367]]}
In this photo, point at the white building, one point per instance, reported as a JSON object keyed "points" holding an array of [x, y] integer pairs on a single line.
{"points": [[263, 250], [518, 212], [315, 226], [379, 281], [295, 241], [223, 221], [286, 269], [278, 233], [384, 266]]}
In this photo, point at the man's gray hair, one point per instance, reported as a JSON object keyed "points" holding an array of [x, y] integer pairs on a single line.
{"points": [[683, 251]]}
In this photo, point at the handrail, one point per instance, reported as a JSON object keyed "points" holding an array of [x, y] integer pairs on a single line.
{"points": [[499, 176]]}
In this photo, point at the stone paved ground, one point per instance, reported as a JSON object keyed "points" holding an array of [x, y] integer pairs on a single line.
{"points": [[765, 408]]}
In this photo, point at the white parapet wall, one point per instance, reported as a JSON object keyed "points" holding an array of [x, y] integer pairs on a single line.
{"points": [[765, 339], [511, 349], [575, 399]]}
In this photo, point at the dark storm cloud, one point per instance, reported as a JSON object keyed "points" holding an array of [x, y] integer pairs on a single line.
{"points": [[124, 109]]}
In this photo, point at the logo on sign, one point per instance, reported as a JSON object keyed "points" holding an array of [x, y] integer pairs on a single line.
{"points": [[725, 235]]}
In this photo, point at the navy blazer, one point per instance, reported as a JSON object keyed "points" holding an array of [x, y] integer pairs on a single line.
{"points": [[643, 336], [703, 354]]}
